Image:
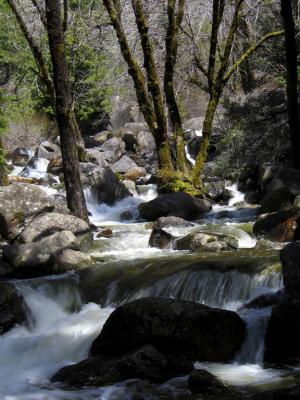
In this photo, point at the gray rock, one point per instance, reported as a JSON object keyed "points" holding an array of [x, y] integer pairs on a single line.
{"points": [[123, 165], [97, 157], [116, 146], [101, 137], [70, 259], [20, 157], [48, 150], [18, 203], [160, 239], [166, 222], [146, 143], [196, 241], [49, 223]]}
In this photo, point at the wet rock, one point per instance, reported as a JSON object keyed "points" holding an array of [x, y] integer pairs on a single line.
{"points": [[20, 157], [276, 200], [145, 363], [37, 259], [280, 226], [123, 165], [290, 393], [69, 259], [18, 203], [48, 150], [194, 146], [252, 197], [97, 157], [176, 327], [215, 189], [12, 307], [49, 223], [265, 300], [106, 186], [282, 344], [135, 173], [55, 166], [176, 205], [290, 260], [107, 233], [205, 241], [166, 222], [203, 382], [160, 239]]}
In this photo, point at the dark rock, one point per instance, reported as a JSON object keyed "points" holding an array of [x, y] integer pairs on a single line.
{"points": [[252, 197], [203, 382], [48, 150], [282, 345], [12, 307], [280, 226], [176, 205], [166, 222], [276, 200], [264, 300], [288, 178], [194, 146], [248, 179], [160, 239], [55, 166], [18, 203], [106, 186], [266, 174], [145, 363], [131, 143], [290, 259], [123, 165], [176, 327], [290, 393], [215, 189], [107, 233], [49, 223]]}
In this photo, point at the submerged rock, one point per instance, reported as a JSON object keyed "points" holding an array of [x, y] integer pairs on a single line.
{"points": [[145, 363], [12, 307], [177, 204], [176, 327]]}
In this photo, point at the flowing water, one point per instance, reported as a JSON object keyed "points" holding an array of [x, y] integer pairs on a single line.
{"points": [[67, 312]]}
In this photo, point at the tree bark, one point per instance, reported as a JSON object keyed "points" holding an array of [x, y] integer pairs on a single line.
{"points": [[3, 171], [291, 78], [64, 110]]}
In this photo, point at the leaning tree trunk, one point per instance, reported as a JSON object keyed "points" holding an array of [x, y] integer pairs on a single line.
{"points": [[64, 110], [291, 78]]}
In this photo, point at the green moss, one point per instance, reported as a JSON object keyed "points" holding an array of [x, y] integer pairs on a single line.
{"points": [[177, 182]]}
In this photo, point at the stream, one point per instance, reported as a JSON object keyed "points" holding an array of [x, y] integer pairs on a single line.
{"points": [[67, 312]]}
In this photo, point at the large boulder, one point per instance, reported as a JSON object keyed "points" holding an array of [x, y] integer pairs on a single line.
{"points": [[276, 200], [106, 187], [288, 178], [290, 260], [97, 157], [48, 150], [70, 259], [282, 345], [197, 241], [166, 222], [116, 146], [20, 202], [12, 307], [49, 223], [29, 260], [176, 327], [280, 226], [177, 204], [145, 363]]}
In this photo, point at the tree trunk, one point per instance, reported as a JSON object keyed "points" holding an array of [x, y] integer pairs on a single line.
{"points": [[291, 78], [206, 136], [64, 111], [3, 171]]}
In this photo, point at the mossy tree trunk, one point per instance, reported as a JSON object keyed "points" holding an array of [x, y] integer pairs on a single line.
{"points": [[291, 78], [218, 73], [64, 110], [43, 70]]}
